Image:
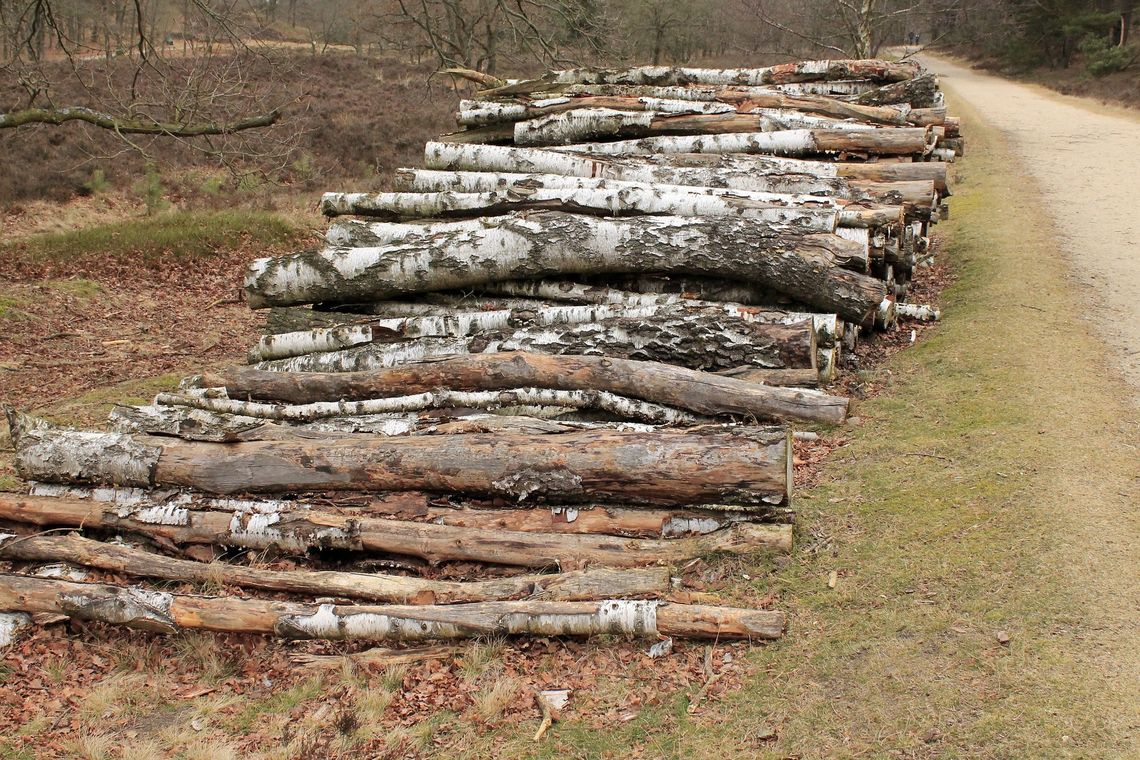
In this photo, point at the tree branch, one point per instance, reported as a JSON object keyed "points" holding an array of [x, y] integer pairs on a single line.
{"points": [[58, 116]]}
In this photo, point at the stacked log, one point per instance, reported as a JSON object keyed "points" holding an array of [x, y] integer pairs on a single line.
{"points": [[568, 350]]}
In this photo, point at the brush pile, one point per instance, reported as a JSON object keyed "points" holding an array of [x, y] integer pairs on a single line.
{"points": [[572, 343]]}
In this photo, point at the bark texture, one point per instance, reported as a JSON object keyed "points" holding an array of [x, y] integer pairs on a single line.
{"points": [[744, 465], [554, 244], [600, 583], [691, 390], [161, 612], [792, 142], [261, 525]]}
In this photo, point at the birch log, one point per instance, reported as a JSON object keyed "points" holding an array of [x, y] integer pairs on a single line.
{"points": [[778, 334], [618, 406], [920, 91], [689, 339], [628, 201], [744, 465], [275, 525], [521, 185], [697, 392], [162, 612], [792, 142], [657, 76], [572, 585], [588, 124], [554, 244], [478, 113], [733, 172]]}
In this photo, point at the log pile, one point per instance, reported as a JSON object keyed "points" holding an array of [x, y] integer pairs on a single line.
{"points": [[565, 353]]}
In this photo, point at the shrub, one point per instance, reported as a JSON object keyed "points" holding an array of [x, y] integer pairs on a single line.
{"points": [[1102, 57]]}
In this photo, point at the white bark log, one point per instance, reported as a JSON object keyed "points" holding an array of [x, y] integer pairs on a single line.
{"points": [[794, 142], [918, 312], [627, 201], [442, 399], [554, 244]]}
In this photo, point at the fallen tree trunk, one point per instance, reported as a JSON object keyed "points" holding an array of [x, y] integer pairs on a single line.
{"points": [[697, 392], [265, 525], [597, 583], [479, 113], [682, 324], [590, 124], [920, 92], [706, 342], [658, 76], [744, 465], [914, 171], [629, 201], [752, 173], [428, 180], [792, 142], [553, 244], [802, 378], [161, 612], [438, 399]]}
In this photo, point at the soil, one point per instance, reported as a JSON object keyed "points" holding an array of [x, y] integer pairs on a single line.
{"points": [[1083, 158]]}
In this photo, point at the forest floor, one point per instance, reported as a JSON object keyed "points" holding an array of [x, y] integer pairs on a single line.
{"points": [[980, 521]]}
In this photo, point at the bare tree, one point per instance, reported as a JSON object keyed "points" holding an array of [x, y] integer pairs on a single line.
{"points": [[113, 65]]}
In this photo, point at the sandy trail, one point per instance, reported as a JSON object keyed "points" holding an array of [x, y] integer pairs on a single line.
{"points": [[1086, 161]]}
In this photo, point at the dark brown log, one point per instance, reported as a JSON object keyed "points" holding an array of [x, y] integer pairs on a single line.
{"points": [[601, 583], [801, 378], [698, 392], [161, 612], [746, 465], [278, 525], [919, 91]]}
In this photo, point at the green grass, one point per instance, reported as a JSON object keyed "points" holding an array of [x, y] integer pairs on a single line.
{"points": [[10, 308], [177, 234], [976, 498], [93, 406]]}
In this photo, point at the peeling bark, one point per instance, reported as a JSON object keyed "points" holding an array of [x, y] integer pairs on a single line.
{"points": [[437, 399], [167, 613], [678, 332], [747, 465], [658, 76], [598, 583], [628, 201], [792, 142], [691, 390], [264, 525], [554, 244]]}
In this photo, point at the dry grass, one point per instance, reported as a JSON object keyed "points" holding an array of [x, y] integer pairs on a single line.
{"points": [[495, 696]]}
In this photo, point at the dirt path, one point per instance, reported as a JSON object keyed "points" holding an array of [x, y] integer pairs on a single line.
{"points": [[1085, 161]]}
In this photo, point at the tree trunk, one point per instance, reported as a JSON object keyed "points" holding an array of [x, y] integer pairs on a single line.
{"points": [[657, 76], [792, 142], [919, 92], [600, 583], [802, 378], [629, 201], [523, 186], [915, 171], [476, 113], [683, 327], [161, 612], [707, 342], [275, 525], [727, 171], [554, 244], [665, 467], [697, 392], [603, 401], [588, 124]]}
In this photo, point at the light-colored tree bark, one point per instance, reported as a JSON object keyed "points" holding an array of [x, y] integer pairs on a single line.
{"points": [[546, 244], [278, 525], [628, 201], [803, 71], [513, 184], [698, 392], [162, 612], [792, 142], [600, 583], [785, 346]]}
